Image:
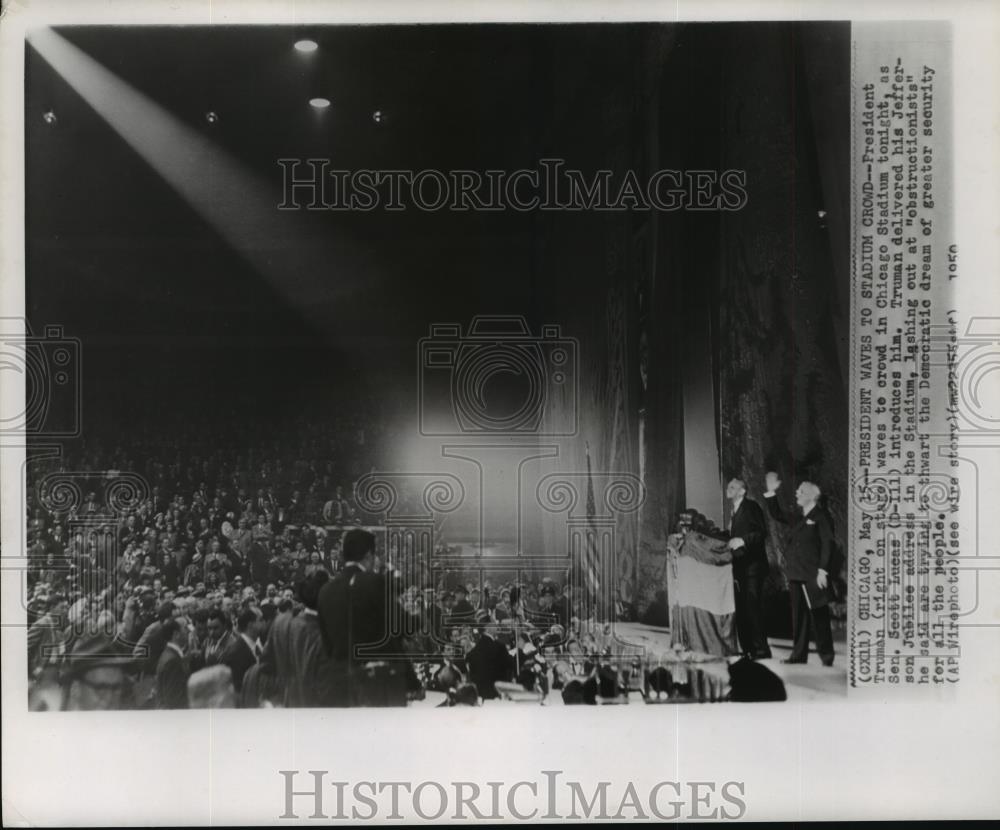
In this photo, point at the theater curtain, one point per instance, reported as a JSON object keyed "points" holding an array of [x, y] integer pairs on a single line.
{"points": [[782, 353], [757, 296]]}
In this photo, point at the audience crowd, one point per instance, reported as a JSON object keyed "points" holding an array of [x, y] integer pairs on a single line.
{"points": [[206, 587]]}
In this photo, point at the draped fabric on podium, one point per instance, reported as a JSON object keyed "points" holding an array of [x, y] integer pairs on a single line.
{"points": [[702, 602]]}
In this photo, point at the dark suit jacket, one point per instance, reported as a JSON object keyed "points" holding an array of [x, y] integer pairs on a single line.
{"points": [[748, 523], [808, 547], [239, 657], [354, 614], [296, 655], [488, 662], [171, 680], [463, 608]]}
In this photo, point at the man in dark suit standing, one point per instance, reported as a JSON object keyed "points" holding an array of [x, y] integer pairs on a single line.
{"points": [[172, 670], [242, 652], [356, 618], [488, 661], [295, 652], [807, 559], [462, 610], [748, 531]]}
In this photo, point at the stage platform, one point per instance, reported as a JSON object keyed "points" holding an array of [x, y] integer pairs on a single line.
{"points": [[810, 682]]}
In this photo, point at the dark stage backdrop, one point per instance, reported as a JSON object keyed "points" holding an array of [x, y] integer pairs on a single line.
{"points": [[712, 344]]}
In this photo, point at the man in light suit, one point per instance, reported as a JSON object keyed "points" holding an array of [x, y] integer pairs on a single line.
{"points": [[748, 531], [807, 560]]}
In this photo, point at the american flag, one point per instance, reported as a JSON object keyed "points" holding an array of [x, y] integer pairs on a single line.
{"points": [[591, 556]]}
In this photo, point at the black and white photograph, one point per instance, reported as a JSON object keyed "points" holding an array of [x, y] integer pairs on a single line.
{"points": [[516, 376], [495, 367]]}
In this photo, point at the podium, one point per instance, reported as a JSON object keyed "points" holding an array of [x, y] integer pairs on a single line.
{"points": [[701, 595]]}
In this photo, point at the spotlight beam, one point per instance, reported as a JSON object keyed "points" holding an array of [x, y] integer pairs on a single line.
{"points": [[229, 197]]}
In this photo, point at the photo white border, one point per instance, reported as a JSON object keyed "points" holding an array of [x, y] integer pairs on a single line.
{"points": [[809, 761]]}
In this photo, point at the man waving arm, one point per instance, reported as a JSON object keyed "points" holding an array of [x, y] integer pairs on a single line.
{"points": [[771, 485]]}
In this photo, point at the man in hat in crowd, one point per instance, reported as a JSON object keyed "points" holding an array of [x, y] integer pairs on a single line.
{"points": [[357, 621]]}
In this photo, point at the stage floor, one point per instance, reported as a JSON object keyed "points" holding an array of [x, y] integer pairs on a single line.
{"points": [[810, 682]]}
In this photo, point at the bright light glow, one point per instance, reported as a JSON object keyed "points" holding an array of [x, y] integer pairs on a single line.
{"points": [[306, 45], [238, 203], [319, 103]]}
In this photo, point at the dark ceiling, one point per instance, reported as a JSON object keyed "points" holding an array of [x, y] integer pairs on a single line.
{"points": [[105, 234], [122, 261]]}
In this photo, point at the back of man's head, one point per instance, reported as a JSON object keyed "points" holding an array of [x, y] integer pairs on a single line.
{"points": [[170, 629], [211, 688], [217, 614], [357, 545], [309, 588], [248, 616]]}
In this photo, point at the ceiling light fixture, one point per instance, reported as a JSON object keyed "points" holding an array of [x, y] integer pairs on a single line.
{"points": [[319, 103], [306, 45]]}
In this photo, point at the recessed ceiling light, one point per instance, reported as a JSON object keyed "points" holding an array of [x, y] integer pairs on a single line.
{"points": [[306, 45], [319, 103], [49, 118], [212, 117]]}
